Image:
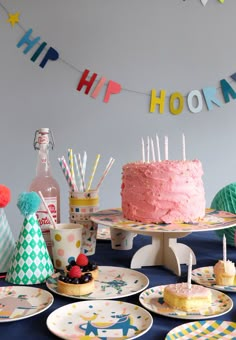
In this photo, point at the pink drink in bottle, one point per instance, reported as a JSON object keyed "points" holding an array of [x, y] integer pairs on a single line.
{"points": [[46, 183]]}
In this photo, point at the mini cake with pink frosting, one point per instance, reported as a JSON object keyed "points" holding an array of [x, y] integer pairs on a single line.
{"points": [[163, 192], [192, 299], [224, 272]]}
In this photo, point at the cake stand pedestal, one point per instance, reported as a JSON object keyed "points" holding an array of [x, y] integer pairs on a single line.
{"points": [[164, 249]]}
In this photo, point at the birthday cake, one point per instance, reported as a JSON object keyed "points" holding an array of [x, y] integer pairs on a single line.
{"points": [[181, 297], [163, 192]]}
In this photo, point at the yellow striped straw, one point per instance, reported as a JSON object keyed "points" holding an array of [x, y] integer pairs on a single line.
{"points": [[93, 171], [71, 164]]}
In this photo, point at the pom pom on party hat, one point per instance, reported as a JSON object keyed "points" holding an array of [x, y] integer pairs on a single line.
{"points": [[225, 200], [30, 263], [7, 242]]}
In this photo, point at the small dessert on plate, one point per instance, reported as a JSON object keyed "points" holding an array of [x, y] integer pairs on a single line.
{"points": [[85, 265], [189, 299], [224, 272], [74, 282]]}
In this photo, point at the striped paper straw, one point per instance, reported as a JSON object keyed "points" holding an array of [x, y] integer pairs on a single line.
{"points": [[81, 172], [71, 167], [84, 164], [48, 210], [108, 167], [78, 173], [71, 163], [93, 171], [66, 172]]}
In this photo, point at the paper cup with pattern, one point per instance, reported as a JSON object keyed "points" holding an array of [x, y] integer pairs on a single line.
{"points": [[121, 239], [81, 206], [66, 243]]}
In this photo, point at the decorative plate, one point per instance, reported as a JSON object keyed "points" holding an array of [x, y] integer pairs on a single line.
{"points": [[99, 320], [205, 277], [20, 302], [152, 299], [213, 220], [103, 233], [112, 283], [204, 330]]}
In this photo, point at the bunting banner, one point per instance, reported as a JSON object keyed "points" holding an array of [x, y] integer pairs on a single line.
{"points": [[194, 101]]}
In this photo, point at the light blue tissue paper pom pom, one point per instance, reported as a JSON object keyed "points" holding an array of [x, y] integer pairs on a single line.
{"points": [[28, 203]]}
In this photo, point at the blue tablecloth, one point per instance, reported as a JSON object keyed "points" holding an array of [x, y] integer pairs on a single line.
{"points": [[207, 248]]}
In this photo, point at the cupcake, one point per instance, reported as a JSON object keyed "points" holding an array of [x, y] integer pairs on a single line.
{"points": [[224, 273]]}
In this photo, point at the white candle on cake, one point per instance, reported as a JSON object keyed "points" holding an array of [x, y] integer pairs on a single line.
{"points": [[183, 146], [166, 147], [190, 263], [143, 151], [148, 149], [158, 149], [153, 151], [224, 249]]}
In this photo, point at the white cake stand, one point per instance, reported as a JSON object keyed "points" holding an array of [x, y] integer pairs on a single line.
{"points": [[164, 249]]}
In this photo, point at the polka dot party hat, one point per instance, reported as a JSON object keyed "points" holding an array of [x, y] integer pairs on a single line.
{"points": [[30, 263], [7, 242]]}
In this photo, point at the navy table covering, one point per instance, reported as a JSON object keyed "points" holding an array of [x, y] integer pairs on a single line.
{"points": [[207, 248]]}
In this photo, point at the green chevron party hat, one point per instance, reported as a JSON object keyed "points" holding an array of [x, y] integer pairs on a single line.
{"points": [[7, 242], [30, 263]]}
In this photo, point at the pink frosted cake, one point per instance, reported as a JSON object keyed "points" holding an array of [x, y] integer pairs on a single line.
{"points": [[165, 191], [180, 296]]}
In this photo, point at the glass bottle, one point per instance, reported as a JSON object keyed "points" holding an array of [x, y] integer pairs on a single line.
{"points": [[46, 183]]}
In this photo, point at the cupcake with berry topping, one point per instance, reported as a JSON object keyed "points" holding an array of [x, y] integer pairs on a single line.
{"points": [[74, 282], [85, 265]]}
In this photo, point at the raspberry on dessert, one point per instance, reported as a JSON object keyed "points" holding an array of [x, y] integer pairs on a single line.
{"points": [[82, 260], [75, 272]]}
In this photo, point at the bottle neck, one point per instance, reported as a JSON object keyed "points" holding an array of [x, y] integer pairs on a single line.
{"points": [[43, 164]]}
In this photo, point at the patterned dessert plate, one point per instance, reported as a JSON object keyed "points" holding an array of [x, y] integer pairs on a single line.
{"points": [[99, 320], [205, 277], [152, 299], [112, 283], [20, 302], [204, 330]]}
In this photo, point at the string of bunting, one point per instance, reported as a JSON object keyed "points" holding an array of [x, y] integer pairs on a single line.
{"points": [[194, 100]]}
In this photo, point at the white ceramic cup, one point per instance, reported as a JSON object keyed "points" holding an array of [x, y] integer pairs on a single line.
{"points": [[121, 239], [66, 243]]}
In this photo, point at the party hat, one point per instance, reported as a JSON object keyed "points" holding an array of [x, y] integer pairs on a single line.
{"points": [[7, 242], [30, 263]]}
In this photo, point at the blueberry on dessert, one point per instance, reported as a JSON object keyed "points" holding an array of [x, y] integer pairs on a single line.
{"points": [[85, 265], [74, 282]]}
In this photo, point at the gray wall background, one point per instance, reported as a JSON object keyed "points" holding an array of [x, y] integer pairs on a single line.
{"points": [[167, 44]]}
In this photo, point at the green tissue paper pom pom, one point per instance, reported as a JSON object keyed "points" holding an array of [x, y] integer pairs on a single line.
{"points": [[28, 203], [225, 200]]}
